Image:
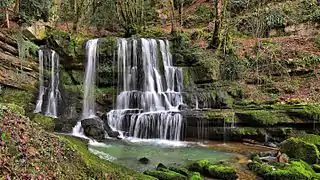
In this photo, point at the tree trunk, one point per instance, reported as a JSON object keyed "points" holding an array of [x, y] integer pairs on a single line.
{"points": [[181, 2], [217, 26], [172, 16], [17, 7], [7, 18]]}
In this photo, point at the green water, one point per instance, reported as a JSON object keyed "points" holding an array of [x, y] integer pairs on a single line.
{"points": [[128, 152]]}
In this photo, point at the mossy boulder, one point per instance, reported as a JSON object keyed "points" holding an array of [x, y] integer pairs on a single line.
{"points": [[300, 149], [165, 174], [199, 166], [180, 170], [208, 169], [280, 171], [195, 176], [222, 172]]}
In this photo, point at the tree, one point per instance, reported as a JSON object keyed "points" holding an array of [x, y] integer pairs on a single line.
{"points": [[133, 14], [4, 5], [217, 25]]}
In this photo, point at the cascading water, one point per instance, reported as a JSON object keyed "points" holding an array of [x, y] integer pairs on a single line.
{"points": [[149, 91], [90, 80], [48, 60], [88, 110]]}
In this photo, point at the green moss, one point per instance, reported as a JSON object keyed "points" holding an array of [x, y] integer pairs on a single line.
{"points": [[294, 170], [180, 170], [265, 117], [195, 176], [222, 172], [300, 149], [165, 175], [228, 116], [18, 97], [45, 122], [199, 166], [307, 112], [98, 165], [208, 169], [243, 131]]}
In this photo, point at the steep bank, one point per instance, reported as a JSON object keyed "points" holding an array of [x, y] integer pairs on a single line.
{"points": [[29, 151]]}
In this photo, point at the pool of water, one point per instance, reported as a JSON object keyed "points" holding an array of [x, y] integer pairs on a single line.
{"points": [[127, 152]]}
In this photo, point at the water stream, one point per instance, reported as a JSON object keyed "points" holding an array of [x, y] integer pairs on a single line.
{"points": [[48, 62]]}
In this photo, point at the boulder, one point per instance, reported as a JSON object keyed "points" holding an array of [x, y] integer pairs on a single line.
{"points": [[300, 149], [107, 128], [93, 128], [165, 175]]}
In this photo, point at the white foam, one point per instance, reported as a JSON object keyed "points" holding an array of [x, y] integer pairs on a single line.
{"points": [[102, 155]]}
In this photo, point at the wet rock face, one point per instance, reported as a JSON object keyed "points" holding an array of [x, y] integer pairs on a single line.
{"points": [[93, 128]]}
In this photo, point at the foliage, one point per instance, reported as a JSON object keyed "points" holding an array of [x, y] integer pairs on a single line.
{"points": [[183, 52], [134, 15], [232, 67], [34, 10], [202, 16]]}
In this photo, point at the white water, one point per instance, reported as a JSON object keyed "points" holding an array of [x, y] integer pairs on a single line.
{"points": [[149, 91], [41, 84], [48, 60], [88, 109]]}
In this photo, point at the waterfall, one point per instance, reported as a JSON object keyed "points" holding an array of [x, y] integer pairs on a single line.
{"points": [[88, 109], [48, 61], [149, 90]]}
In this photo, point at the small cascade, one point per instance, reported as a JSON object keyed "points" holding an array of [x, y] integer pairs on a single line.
{"points": [[49, 90], [149, 91]]}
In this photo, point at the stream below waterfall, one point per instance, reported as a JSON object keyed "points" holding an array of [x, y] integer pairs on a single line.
{"points": [[127, 152]]}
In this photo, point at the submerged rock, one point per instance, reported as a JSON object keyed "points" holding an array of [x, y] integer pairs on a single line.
{"points": [[93, 128], [144, 160]]}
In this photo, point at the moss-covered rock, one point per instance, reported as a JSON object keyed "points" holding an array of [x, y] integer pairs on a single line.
{"points": [[279, 171], [264, 117], [208, 169], [300, 149], [165, 175], [199, 166], [222, 172], [180, 170], [195, 176]]}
